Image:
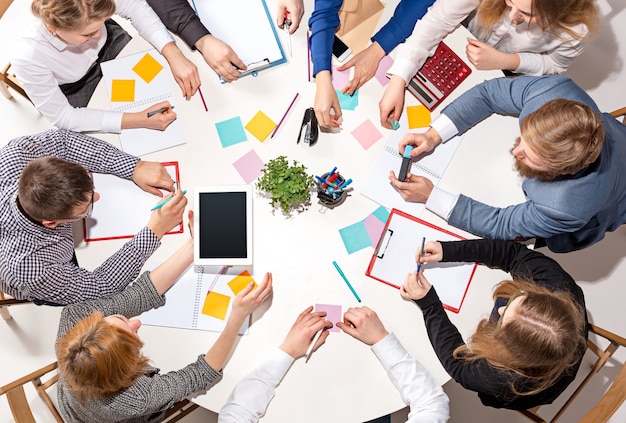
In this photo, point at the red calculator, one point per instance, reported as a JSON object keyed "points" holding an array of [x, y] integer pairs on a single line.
{"points": [[439, 76]]}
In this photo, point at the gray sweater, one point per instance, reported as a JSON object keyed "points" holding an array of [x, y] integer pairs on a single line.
{"points": [[153, 393]]}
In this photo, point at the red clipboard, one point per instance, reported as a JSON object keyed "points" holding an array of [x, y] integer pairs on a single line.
{"points": [[123, 208], [394, 257]]}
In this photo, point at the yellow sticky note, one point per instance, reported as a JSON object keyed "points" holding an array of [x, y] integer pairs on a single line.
{"points": [[419, 116], [216, 305], [123, 90], [147, 68], [260, 126], [240, 281]]}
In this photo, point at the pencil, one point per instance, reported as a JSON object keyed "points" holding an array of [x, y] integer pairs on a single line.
{"points": [[308, 57], [161, 110], [346, 280], [164, 202], [285, 115], [206, 109], [310, 350]]}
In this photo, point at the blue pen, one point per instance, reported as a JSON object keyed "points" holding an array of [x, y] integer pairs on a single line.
{"points": [[419, 264], [319, 178], [164, 202], [331, 172], [346, 280]]}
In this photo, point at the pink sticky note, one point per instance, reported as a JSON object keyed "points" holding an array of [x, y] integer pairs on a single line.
{"points": [[249, 166], [383, 67], [333, 314], [374, 228], [340, 78], [367, 134]]}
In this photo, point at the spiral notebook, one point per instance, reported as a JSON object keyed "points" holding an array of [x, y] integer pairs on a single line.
{"points": [[134, 83], [432, 166], [202, 299]]}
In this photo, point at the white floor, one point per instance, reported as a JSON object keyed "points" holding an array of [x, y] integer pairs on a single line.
{"points": [[27, 340]]}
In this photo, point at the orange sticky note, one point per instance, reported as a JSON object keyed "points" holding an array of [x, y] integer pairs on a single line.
{"points": [[418, 116], [123, 90], [147, 68], [240, 281], [216, 305], [260, 126]]}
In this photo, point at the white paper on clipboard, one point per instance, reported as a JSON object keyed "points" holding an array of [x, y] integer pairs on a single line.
{"points": [[394, 257]]}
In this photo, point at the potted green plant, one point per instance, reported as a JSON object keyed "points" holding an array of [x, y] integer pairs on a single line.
{"points": [[288, 186]]}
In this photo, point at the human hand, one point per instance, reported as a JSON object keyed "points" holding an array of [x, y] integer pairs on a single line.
{"points": [[363, 324], [190, 223], [296, 11], [303, 331], [325, 101], [158, 121], [392, 103], [184, 71], [365, 64], [433, 252], [220, 57], [415, 189], [421, 143], [168, 216], [414, 288], [152, 177], [250, 298], [485, 57]]}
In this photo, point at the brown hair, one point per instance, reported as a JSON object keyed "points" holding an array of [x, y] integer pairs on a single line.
{"points": [[98, 359], [50, 188], [555, 16], [544, 339], [72, 14], [567, 135]]}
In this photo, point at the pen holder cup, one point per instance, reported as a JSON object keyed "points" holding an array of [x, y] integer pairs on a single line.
{"points": [[327, 198]]}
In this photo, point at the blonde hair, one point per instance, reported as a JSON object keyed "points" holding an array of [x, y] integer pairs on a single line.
{"points": [[567, 135], [554, 16], [98, 359], [544, 340], [72, 14]]}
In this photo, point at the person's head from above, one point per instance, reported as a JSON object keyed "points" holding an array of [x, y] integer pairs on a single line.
{"points": [[101, 356], [52, 191], [540, 334], [562, 137], [74, 21], [550, 15]]}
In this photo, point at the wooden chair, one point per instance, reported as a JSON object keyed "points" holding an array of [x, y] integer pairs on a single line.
{"points": [[612, 399], [179, 410], [14, 391], [8, 80], [5, 302], [619, 113]]}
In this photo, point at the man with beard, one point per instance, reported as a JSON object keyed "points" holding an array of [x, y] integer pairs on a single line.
{"points": [[570, 155]]}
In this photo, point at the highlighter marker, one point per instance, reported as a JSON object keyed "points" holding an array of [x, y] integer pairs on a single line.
{"points": [[406, 163]]}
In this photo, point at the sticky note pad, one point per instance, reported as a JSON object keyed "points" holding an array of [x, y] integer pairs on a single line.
{"points": [[123, 90], [240, 281], [261, 126], [147, 68], [249, 166], [216, 305], [355, 237], [381, 213], [231, 132], [418, 116], [374, 227], [340, 78], [348, 102], [367, 134], [381, 72], [333, 314]]}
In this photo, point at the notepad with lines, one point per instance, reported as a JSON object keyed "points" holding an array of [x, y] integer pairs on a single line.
{"points": [[134, 83], [377, 186]]}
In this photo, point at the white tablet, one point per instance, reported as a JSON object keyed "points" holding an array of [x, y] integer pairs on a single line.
{"points": [[223, 225]]}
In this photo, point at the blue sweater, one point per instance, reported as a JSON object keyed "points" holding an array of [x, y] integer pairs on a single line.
{"points": [[325, 20], [571, 212]]}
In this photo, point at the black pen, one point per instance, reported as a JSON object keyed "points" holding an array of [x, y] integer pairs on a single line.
{"points": [[161, 110]]}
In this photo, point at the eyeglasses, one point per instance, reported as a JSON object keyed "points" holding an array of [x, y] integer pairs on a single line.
{"points": [[89, 210], [508, 303]]}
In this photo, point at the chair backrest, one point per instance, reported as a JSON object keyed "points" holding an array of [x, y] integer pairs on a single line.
{"points": [[5, 302], [16, 396], [612, 399], [179, 410], [619, 113], [7, 79]]}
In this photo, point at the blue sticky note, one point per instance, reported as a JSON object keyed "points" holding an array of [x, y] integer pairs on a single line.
{"points": [[355, 237], [348, 102], [231, 132], [381, 213]]}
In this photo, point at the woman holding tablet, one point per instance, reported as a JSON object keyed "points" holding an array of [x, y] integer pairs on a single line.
{"points": [[104, 377], [530, 348], [58, 61]]}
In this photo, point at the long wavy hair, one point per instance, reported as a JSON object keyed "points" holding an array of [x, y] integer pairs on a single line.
{"points": [[554, 16], [98, 360], [545, 339]]}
